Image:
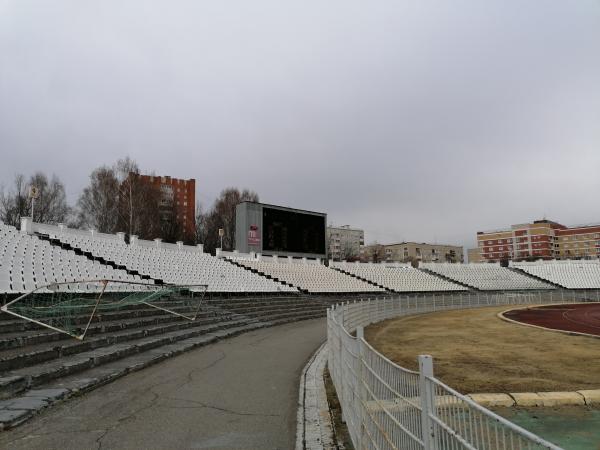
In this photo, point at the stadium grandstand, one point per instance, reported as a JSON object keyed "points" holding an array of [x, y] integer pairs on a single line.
{"points": [[397, 277], [133, 304], [128, 306], [485, 276], [579, 274]]}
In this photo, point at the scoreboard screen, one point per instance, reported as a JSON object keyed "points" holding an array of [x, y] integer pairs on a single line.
{"points": [[292, 231]]}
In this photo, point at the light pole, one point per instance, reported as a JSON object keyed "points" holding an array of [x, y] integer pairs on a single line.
{"points": [[221, 233], [33, 194]]}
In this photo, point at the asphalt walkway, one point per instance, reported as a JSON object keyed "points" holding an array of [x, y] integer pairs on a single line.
{"points": [[240, 393]]}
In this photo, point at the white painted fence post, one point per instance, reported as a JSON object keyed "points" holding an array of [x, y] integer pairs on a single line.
{"points": [[362, 397], [342, 372], [427, 401]]}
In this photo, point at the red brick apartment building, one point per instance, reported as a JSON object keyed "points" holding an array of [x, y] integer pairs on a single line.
{"points": [[181, 194], [542, 239]]}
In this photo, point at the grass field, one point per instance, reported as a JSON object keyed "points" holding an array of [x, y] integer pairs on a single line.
{"points": [[475, 351]]}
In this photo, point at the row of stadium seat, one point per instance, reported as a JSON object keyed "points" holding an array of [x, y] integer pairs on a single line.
{"points": [[486, 276], [174, 264], [568, 274], [310, 276], [398, 277], [27, 263]]}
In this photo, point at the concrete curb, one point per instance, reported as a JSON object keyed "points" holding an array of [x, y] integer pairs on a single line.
{"points": [[538, 399], [314, 429]]}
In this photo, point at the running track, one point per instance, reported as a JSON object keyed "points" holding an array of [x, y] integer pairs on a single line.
{"points": [[578, 317]]}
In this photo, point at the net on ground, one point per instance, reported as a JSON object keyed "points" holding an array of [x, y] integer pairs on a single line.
{"points": [[72, 307]]}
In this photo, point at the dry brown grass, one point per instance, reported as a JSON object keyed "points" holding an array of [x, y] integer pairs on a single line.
{"points": [[475, 351]]}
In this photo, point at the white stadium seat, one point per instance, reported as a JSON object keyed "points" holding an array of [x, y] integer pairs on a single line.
{"points": [[398, 277], [28, 263], [308, 275], [171, 263], [581, 274], [485, 276]]}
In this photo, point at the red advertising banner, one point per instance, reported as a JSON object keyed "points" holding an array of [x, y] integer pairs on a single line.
{"points": [[253, 235]]}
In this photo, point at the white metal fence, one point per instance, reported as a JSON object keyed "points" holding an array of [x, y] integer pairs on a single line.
{"points": [[386, 406]]}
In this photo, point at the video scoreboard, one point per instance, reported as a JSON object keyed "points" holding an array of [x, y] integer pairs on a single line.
{"points": [[277, 230]]}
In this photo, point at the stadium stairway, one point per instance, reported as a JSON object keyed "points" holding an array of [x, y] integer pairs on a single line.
{"points": [[89, 255], [262, 274], [530, 275], [40, 367], [452, 280], [362, 279]]}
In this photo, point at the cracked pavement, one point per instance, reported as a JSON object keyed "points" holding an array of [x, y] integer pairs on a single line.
{"points": [[239, 393]]}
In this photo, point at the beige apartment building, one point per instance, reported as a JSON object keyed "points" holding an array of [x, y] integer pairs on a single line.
{"points": [[413, 251], [541, 239], [344, 243]]}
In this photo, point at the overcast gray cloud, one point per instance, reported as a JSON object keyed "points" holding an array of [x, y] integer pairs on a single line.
{"points": [[416, 120]]}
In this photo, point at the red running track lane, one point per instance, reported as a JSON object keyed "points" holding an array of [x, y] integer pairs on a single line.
{"points": [[578, 317]]}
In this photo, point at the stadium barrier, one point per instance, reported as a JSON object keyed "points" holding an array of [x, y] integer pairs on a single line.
{"points": [[386, 406]]}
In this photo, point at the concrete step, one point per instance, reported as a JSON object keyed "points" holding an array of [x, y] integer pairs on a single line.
{"points": [[41, 367], [13, 325], [278, 312], [17, 358], [17, 340], [267, 310], [18, 409], [17, 380], [257, 303], [283, 321], [291, 317]]}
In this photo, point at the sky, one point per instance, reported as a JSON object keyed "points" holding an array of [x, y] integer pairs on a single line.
{"points": [[413, 120]]}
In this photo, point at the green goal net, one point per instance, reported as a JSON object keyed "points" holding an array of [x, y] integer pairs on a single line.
{"points": [[75, 308]]}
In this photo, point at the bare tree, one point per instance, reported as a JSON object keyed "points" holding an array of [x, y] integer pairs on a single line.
{"points": [[221, 215], [13, 204], [414, 262], [118, 200], [143, 209], [140, 209], [171, 229], [98, 205], [201, 233], [374, 252], [50, 205], [349, 252]]}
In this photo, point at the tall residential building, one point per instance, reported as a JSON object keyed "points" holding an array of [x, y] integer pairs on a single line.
{"points": [[344, 242], [541, 239], [414, 251], [177, 193]]}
